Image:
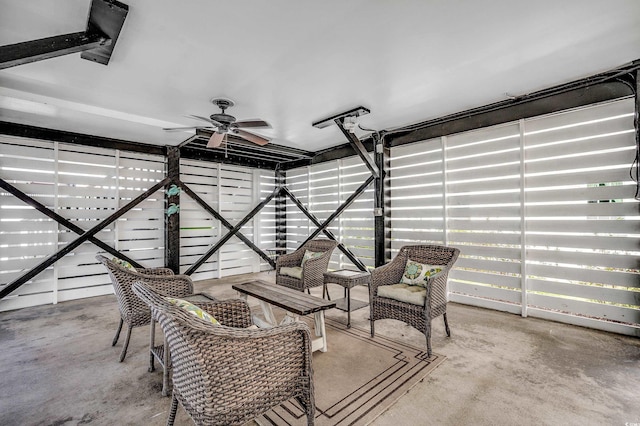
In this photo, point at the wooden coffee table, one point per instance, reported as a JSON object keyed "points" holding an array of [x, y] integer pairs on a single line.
{"points": [[295, 303]]}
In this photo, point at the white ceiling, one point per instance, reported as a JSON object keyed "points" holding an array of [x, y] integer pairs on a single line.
{"points": [[293, 62]]}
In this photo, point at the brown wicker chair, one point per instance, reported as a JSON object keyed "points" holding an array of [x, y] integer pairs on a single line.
{"points": [[312, 270], [132, 310], [227, 374], [435, 303]]}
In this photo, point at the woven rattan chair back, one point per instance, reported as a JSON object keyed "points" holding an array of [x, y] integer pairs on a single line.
{"points": [[223, 375], [435, 305], [313, 269], [133, 311]]}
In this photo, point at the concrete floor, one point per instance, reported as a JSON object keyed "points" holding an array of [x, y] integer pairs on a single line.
{"points": [[57, 367]]}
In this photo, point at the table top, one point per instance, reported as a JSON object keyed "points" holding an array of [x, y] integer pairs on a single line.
{"points": [[346, 273], [288, 299], [199, 297]]}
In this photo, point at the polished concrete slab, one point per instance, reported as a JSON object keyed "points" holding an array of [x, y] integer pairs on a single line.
{"points": [[57, 367]]}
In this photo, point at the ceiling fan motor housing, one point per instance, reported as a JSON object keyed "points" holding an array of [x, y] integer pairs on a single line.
{"points": [[223, 118]]}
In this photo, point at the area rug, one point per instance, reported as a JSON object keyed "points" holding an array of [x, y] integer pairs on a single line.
{"points": [[358, 378]]}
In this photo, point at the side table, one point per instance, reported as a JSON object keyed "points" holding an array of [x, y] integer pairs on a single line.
{"points": [[347, 279]]}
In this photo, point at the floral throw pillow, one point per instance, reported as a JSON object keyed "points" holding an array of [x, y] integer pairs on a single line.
{"points": [[310, 255], [193, 309], [416, 273], [123, 263]]}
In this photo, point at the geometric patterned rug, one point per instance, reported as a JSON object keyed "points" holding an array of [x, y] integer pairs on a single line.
{"points": [[357, 379]]}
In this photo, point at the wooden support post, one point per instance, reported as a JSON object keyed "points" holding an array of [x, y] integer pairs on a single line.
{"points": [[172, 222], [381, 205], [636, 124], [281, 212]]}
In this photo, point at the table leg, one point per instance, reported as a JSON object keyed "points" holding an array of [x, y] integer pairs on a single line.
{"points": [[348, 291], [269, 318], [268, 313], [152, 339], [321, 343], [166, 359]]}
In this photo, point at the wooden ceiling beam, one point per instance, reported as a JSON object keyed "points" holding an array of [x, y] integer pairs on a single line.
{"points": [[96, 43]]}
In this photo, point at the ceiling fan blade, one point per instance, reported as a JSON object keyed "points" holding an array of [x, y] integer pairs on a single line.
{"points": [[252, 123], [215, 140], [173, 129], [208, 120], [259, 140]]}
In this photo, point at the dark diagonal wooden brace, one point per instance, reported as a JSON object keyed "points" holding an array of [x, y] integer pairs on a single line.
{"points": [[360, 149], [342, 207], [225, 223], [328, 233], [78, 241], [61, 220], [232, 231]]}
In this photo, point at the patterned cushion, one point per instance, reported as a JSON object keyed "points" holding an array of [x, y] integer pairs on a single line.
{"points": [[416, 273], [401, 292], [310, 255], [294, 271], [123, 263], [193, 309]]}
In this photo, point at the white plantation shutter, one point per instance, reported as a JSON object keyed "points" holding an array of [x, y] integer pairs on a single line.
{"points": [[484, 215], [322, 188], [236, 186], [198, 229], [265, 225], [581, 216], [356, 223], [87, 194], [416, 179], [298, 225], [140, 231], [84, 185], [543, 211], [27, 237], [233, 192]]}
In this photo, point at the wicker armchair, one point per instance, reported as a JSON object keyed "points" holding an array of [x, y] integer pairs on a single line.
{"points": [[132, 310], [435, 302], [312, 270], [227, 374]]}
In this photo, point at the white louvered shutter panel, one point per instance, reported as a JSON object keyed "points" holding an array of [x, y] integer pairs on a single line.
{"points": [[582, 221]]}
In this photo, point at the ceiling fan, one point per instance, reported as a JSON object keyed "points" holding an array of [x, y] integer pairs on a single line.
{"points": [[224, 123]]}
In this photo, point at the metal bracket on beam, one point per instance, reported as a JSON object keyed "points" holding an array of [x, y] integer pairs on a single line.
{"points": [[339, 120], [360, 149]]}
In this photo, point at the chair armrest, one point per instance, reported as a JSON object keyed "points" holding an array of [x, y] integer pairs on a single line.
{"points": [[316, 267], [289, 260], [169, 285], [278, 340], [230, 313], [388, 274], [155, 271], [437, 288]]}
